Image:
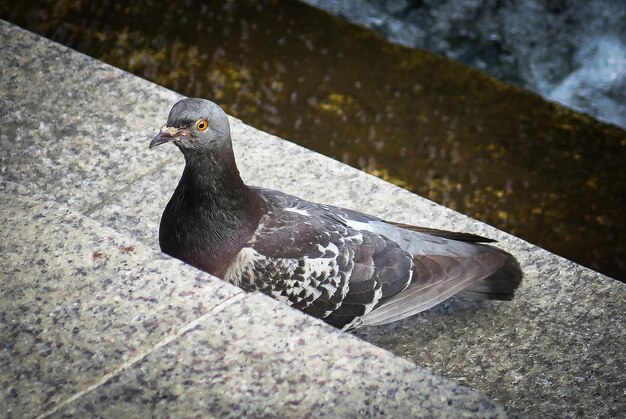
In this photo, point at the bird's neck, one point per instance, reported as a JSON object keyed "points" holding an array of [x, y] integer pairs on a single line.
{"points": [[212, 213], [215, 182]]}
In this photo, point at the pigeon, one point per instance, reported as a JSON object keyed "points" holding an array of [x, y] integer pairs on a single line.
{"points": [[345, 267]]}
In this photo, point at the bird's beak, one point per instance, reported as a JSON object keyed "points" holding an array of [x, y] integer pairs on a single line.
{"points": [[166, 135]]}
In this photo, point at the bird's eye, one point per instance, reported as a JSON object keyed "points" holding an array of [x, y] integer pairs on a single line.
{"points": [[202, 125]]}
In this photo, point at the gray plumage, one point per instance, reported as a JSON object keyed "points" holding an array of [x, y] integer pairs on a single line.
{"points": [[343, 266]]}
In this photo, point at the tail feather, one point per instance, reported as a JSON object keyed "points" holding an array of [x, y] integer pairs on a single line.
{"points": [[490, 274], [500, 285]]}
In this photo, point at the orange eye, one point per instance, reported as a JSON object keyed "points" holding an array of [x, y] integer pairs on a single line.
{"points": [[202, 125]]}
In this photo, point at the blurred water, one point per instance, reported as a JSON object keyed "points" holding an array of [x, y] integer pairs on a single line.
{"points": [[449, 133], [598, 81], [568, 51]]}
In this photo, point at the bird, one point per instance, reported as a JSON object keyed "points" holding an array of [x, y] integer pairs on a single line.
{"points": [[345, 267]]}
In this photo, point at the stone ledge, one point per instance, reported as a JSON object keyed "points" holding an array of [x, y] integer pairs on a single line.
{"points": [[79, 300], [85, 307], [95, 322], [259, 358]]}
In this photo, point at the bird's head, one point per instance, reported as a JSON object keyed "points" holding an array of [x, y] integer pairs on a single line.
{"points": [[194, 125]]}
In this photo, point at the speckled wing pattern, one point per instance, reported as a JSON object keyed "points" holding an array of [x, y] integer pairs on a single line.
{"points": [[352, 269]]}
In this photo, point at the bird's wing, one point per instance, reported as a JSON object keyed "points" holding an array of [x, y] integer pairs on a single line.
{"points": [[352, 269], [444, 264], [306, 256]]}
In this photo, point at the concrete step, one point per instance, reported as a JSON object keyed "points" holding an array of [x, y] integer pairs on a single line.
{"points": [[77, 131]]}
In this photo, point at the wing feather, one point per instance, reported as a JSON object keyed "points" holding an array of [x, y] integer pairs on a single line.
{"points": [[453, 235], [437, 278]]}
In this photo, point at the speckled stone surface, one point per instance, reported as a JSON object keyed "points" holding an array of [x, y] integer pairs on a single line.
{"points": [[77, 301], [240, 363], [94, 324], [557, 350], [70, 128]]}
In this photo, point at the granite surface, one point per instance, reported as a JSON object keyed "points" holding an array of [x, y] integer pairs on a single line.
{"points": [[78, 301], [556, 350], [241, 363], [95, 324], [70, 128]]}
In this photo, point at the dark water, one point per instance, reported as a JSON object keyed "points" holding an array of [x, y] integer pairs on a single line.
{"points": [[497, 153]]}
